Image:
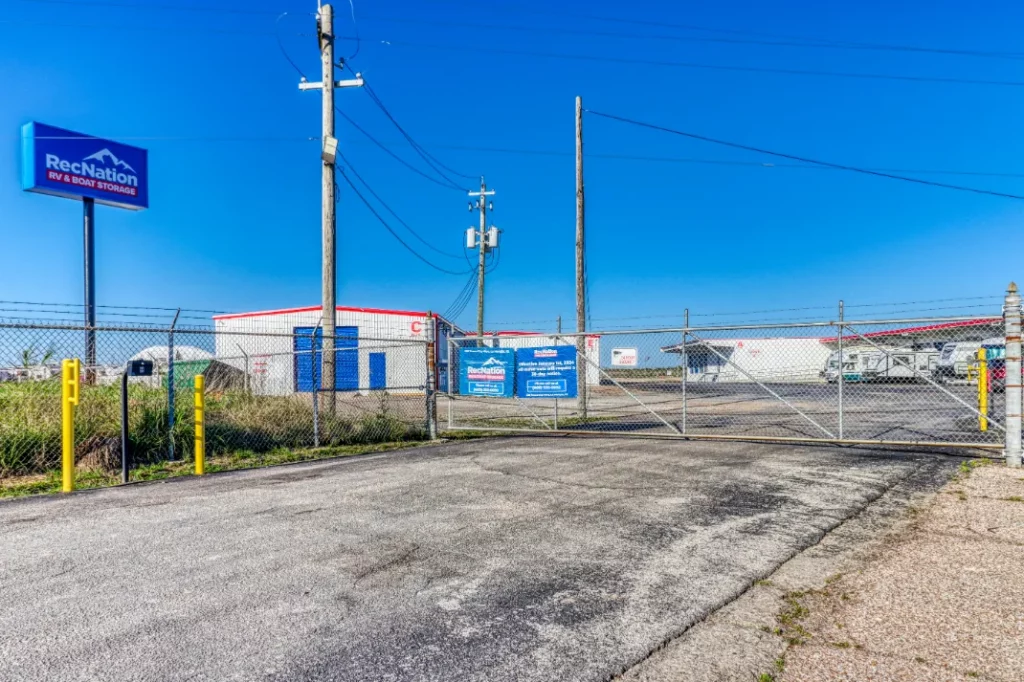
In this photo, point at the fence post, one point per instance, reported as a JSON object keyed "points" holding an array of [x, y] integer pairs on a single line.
{"points": [[558, 339], [839, 376], [69, 389], [1012, 312], [452, 376], [200, 402], [684, 362], [314, 366], [431, 394], [170, 386]]}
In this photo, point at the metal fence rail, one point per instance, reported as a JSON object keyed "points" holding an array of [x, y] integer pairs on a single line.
{"points": [[263, 393], [935, 381]]}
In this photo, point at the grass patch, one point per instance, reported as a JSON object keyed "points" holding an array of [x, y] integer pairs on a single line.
{"points": [[30, 424], [1014, 498], [50, 482], [766, 677], [969, 465]]}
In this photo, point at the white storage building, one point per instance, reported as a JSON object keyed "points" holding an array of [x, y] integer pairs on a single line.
{"points": [[794, 359], [377, 349]]}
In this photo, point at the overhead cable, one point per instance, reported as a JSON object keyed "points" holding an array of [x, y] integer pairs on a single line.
{"points": [[804, 159]]}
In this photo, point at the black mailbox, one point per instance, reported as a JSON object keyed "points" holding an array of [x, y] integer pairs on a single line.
{"points": [[140, 368]]}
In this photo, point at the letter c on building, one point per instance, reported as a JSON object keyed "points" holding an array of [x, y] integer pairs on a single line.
{"points": [[416, 327]]}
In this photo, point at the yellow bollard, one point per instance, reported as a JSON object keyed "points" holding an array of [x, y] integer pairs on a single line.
{"points": [[200, 425], [983, 389], [69, 375]]}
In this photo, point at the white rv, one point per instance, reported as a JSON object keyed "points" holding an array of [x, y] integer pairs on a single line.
{"points": [[871, 364], [901, 364], [954, 360]]}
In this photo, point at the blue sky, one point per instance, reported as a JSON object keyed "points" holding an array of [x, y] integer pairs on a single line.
{"points": [[234, 222]]}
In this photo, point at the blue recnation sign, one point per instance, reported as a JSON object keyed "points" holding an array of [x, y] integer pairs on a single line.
{"points": [[72, 165], [547, 372], [487, 372]]}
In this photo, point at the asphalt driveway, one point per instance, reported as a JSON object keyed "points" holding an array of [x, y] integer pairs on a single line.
{"points": [[513, 559]]}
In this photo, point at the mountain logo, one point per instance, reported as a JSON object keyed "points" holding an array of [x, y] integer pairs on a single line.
{"points": [[492, 362], [104, 155]]}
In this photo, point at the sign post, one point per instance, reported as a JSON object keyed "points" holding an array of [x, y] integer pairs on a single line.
{"points": [[73, 165]]}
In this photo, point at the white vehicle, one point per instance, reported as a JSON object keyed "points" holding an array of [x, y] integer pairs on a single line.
{"points": [[851, 360], [901, 364], [954, 360], [870, 364]]}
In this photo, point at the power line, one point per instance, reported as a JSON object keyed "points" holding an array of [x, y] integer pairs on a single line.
{"points": [[948, 80], [458, 306], [795, 41], [425, 155], [383, 203], [394, 234], [787, 42], [803, 159], [114, 307], [137, 30], [147, 6], [280, 45], [395, 156], [716, 162], [823, 42]]}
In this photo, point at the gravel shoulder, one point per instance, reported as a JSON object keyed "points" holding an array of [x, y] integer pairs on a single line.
{"points": [[939, 601]]}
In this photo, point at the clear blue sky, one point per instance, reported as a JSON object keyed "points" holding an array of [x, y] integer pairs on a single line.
{"points": [[235, 225]]}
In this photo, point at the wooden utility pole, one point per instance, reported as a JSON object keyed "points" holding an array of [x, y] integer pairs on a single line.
{"points": [[329, 271], [329, 150], [483, 241], [582, 366]]}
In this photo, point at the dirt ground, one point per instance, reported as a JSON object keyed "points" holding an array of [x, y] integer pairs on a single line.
{"points": [[940, 601]]}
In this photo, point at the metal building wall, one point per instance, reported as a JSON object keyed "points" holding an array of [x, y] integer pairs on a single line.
{"points": [[266, 339]]}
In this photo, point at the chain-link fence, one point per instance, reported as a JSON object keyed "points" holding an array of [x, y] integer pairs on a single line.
{"points": [[264, 391], [905, 381]]}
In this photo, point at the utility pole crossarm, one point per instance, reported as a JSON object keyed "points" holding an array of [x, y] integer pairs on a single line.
{"points": [[319, 85]]}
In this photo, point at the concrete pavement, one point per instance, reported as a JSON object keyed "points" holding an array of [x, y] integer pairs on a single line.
{"points": [[495, 559]]}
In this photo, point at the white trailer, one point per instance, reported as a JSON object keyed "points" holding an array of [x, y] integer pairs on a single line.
{"points": [[954, 359]]}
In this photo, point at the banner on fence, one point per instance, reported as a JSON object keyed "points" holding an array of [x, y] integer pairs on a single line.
{"points": [[487, 372], [546, 372]]}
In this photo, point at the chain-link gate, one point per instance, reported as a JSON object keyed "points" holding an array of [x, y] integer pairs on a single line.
{"points": [[924, 381]]}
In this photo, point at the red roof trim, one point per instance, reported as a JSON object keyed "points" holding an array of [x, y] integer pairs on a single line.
{"points": [[982, 321], [310, 309]]}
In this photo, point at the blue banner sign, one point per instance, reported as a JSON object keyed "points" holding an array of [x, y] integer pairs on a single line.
{"points": [[76, 166], [487, 372], [547, 372]]}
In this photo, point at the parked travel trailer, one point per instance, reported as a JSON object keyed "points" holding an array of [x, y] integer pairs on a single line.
{"points": [[871, 364], [954, 359], [903, 364]]}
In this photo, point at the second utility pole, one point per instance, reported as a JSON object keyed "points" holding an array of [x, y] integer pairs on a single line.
{"points": [[582, 368], [482, 242], [329, 150]]}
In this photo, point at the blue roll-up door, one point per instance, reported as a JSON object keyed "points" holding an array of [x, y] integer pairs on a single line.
{"points": [[378, 371], [346, 366]]}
